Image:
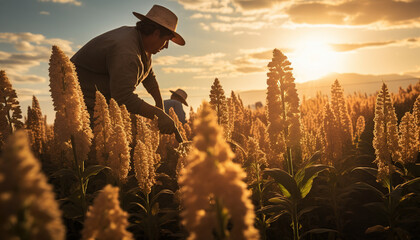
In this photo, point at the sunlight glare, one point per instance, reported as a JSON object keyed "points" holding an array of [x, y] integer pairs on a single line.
{"points": [[312, 60]]}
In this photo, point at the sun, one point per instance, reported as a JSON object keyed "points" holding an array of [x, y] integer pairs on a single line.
{"points": [[313, 59]]}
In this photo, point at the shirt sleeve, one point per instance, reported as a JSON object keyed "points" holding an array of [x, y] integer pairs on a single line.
{"points": [[181, 113], [151, 85], [124, 70]]}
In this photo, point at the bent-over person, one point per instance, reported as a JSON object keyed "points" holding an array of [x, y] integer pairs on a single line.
{"points": [[116, 62]]}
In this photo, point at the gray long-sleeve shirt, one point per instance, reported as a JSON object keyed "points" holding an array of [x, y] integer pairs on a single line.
{"points": [[177, 106], [115, 63]]}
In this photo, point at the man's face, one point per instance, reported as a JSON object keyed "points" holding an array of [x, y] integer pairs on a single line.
{"points": [[159, 42]]}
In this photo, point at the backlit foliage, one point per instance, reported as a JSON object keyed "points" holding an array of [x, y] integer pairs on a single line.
{"points": [[385, 141], [10, 112], [71, 115], [211, 174], [28, 209], [226, 180]]}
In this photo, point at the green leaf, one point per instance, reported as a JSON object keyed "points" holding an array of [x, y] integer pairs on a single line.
{"points": [[275, 217], [272, 209], [306, 210], [155, 209], [93, 171], [365, 186], [141, 206], [163, 191], [286, 182], [168, 216], [369, 170], [306, 177], [65, 172], [318, 231], [376, 228], [378, 207], [408, 183], [284, 202]]}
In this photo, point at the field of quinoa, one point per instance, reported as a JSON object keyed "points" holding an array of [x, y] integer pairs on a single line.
{"points": [[327, 167]]}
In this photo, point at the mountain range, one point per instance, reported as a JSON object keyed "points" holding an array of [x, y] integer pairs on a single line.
{"points": [[350, 82]]}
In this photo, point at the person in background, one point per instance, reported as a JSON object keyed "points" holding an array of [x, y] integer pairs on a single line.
{"points": [[116, 62], [178, 98]]}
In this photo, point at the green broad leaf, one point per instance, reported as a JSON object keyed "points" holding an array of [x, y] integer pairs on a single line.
{"points": [[284, 202], [306, 210], [376, 228], [407, 197], [93, 171], [306, 177], [378, 207], [167, 217], [275, 217], [141, 206], [365, 186], [155, 209], [65, 172], [272, 209], [318, 231], [315, 157], [369, 170], [285, 181], [163, 191], [408, 183]]}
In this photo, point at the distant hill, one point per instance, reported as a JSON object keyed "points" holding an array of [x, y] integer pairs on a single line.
{"points": [[351, 82]]}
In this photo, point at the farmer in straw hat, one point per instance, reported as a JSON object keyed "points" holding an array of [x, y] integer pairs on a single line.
{"points": [[117, 61], [178, 98]]}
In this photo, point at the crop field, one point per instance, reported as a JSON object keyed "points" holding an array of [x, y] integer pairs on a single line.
{"points": [[333, 166]]}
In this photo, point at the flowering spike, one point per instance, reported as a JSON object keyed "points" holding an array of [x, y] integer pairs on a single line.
{"points": [[102, 130], [105, 218], [24, 191], [408, 139], [72, 117], [210, 173], [385, 141], [10, 112]]}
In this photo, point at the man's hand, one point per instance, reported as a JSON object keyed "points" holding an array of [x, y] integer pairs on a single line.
{"points": [[165, 123]]}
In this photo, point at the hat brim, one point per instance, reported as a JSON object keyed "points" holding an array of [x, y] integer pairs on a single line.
{"points": [[176, 39], [180, 98]]}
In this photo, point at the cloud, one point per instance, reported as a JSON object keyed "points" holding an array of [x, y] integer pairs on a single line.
{"points": [[252, 5], [30, 50], [384, 14], [182, 70], [44, 13], [74, 2], [211, 6], [231, 15], [25, 94], [346, 47], [355, 46], [201, 16], [168, 60], [27, 78], [217, 64]]}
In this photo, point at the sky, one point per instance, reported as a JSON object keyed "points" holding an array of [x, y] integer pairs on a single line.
{"points": [[232, 40]]}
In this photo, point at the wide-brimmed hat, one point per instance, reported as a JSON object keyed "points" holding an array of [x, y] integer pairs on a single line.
{"points": [[181, 94], [165, 18]]}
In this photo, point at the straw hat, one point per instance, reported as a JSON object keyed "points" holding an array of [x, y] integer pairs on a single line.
{"points": [[181, 94], [165, 18]]}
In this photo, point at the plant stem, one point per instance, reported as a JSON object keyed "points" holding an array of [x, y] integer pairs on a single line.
{"points": [[221, 234], [80, 169], [295, 222], [149, 217], [261, 202], [290, 161]]}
